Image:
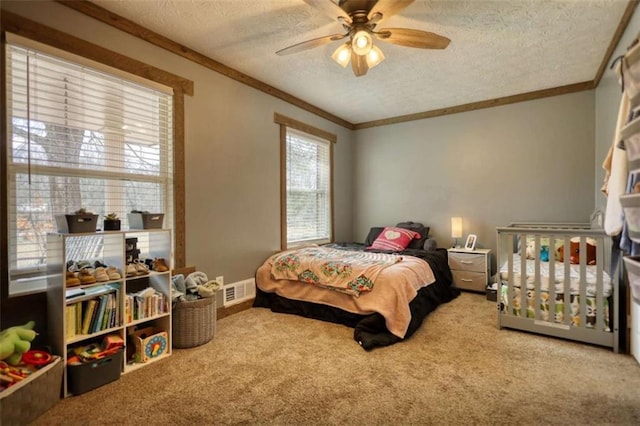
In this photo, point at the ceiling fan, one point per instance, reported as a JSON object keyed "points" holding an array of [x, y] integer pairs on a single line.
{"points": [[359, 18]]}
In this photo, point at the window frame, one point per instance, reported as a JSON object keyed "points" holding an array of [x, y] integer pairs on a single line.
{"points": [[285, 123], [51, 38]]}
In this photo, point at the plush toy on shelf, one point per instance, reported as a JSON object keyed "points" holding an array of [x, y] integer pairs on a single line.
{"points": [[14, 341]]}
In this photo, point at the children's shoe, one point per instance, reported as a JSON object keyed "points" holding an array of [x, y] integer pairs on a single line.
{"points": [[113, 273], [71, 279], [141, 267], [159, 265], [101, 274], [131, 270], [85, 276]]}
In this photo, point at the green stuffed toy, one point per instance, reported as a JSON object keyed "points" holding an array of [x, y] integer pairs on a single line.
{"points": [[15, 341]]}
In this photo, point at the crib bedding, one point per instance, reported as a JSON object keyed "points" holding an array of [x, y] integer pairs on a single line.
{"points": [[574, 280], [403, 294]]}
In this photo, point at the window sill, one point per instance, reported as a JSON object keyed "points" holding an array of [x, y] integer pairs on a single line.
{"points": [[26, 286]]}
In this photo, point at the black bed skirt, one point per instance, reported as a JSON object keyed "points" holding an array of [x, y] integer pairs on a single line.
{"points": [[370, 331]]}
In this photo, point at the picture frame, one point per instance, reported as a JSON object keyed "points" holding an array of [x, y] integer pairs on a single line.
{"points": [[470, 244]]}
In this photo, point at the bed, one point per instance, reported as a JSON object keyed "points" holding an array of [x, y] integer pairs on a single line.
{"points": [[384, 305], [580, 301]]}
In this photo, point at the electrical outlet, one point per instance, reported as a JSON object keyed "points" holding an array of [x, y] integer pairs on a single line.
{"points": [[220, 280]]}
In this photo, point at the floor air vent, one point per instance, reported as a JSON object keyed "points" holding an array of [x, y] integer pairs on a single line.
{"points": [[239, 292]]}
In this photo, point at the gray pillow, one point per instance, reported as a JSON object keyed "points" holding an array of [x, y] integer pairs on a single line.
{"points": [[373, 234]]}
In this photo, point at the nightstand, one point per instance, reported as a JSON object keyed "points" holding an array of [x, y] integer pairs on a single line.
{"points": [[470, 268]]}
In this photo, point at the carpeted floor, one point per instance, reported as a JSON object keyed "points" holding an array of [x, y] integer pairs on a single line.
{"points": [[267, 368]]}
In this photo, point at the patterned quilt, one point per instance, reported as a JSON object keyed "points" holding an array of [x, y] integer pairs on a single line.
{"points": [[349, 272]]}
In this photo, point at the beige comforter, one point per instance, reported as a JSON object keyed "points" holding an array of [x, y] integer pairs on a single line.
{"points": [[395, 287]]}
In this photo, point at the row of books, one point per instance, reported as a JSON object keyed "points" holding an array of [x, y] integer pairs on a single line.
{"points": [[93, 315], [145, 304]]}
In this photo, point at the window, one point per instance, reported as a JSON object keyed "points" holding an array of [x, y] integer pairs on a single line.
{"points": [[306, 185], [79, 137]]}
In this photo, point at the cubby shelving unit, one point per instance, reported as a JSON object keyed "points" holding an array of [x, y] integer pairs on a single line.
{"points": [[109, 248]]}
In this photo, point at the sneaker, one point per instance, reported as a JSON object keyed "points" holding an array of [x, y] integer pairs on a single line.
{"points": [[71, 279], [141, 267], [159, 265], [85, 276], [101, 274], [131, 270], [113, 273]]}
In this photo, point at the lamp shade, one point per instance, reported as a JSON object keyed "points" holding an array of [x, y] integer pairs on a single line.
{"points": [[361, 43], [456, 227], [374, 57], [342, 55]]}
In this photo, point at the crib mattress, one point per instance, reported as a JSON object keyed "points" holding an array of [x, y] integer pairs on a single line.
{"points": [[574, 279], [558, 314]]}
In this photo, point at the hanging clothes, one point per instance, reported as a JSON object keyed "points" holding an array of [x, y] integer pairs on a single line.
{"points": [[616, 175]]}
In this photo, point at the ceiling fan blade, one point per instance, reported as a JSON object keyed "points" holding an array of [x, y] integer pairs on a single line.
{"points": [[310, 44], [330, 9], [388, 8], [413, 38], [359, 64]]}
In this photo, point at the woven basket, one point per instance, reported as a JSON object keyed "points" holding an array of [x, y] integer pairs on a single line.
{"points": [[193, 322]]}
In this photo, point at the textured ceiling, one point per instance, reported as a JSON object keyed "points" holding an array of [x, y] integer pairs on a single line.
{"points": [[498, 48]]}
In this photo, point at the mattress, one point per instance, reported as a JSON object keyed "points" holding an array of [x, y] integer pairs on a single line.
{"points": [[574, 277]]}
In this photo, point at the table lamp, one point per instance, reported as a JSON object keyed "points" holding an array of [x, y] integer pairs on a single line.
{"points": [[456, 230]]}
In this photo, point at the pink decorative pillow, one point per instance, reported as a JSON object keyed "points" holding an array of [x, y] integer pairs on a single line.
{"points": [[396, 239]]}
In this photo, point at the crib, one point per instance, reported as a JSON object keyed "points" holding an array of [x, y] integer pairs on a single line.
{"points": [[579, 303]]}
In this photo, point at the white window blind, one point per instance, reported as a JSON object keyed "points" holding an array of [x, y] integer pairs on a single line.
{"points": [[308, 186], [79, 137]]}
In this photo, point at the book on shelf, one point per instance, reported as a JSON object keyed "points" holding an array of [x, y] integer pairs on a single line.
{"points": [[74, 292], [128, 313], [70, 321], [115, 318], [108, 312], [89, 311], [96, 324], [90, 292], [145, 304], [79, 311]]}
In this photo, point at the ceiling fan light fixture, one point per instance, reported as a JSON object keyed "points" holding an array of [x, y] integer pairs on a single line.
{"points": [[342, 55], [362, 42], [374, 57]]}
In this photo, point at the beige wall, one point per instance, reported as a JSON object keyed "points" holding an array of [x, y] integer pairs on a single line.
{"points": [[232, 153], [526, 161]]}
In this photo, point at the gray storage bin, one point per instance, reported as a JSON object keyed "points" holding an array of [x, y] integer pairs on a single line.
{"points": [[76, 223], [87, 376], [145, 220]]}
